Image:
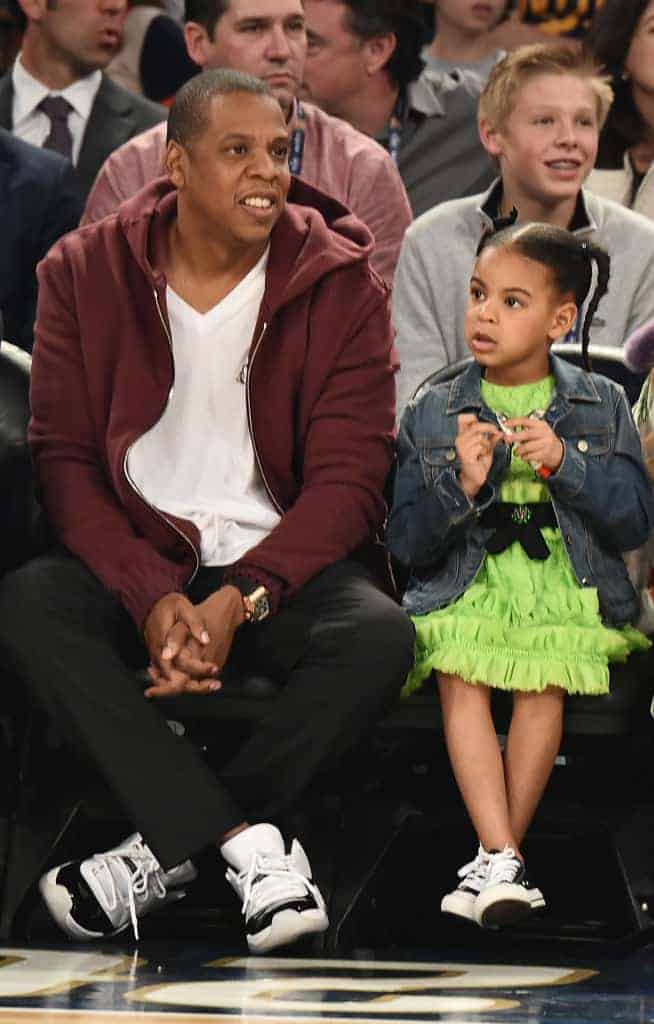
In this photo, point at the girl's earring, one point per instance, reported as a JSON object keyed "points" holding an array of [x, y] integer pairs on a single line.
{"points": [[624, 77]]}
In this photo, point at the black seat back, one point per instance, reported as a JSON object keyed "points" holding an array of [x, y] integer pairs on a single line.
{"points": [[22, 524]]}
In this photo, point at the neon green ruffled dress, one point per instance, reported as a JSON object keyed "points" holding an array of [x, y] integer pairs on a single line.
{"points": [[523, 624]]}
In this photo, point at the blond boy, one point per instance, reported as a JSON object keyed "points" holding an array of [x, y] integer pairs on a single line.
{"points": [[540, 115]]}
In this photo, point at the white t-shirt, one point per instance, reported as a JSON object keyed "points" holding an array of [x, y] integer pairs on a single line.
{"points": [[198, 461]]}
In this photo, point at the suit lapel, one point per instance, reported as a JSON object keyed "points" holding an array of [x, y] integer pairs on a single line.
{"points": [[112, 122]]}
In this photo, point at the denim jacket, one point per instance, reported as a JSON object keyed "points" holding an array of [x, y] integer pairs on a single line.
{"points": [[601, 494]]}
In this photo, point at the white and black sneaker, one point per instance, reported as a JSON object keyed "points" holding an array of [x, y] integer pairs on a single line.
{"points": [[461, 901], [102, 895], [281, 902], [506, 896]]}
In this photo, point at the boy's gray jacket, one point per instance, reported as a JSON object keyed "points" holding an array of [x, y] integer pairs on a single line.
{"points": [[432, 279], [601, 493]]}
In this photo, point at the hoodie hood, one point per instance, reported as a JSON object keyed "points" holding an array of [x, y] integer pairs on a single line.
{"points": [[314, 235]]}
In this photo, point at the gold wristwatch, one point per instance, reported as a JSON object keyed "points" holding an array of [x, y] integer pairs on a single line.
{"points": [[256, 605]]}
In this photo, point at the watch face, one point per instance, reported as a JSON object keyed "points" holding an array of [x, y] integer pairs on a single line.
{"points": [[258, 604], [261, 608]]}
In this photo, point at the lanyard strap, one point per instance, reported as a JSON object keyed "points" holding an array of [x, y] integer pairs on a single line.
{"points": [[296, 157], [395, 135], [396, 129]]}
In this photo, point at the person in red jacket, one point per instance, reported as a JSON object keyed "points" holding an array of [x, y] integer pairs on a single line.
{"points": [[212, 428]]}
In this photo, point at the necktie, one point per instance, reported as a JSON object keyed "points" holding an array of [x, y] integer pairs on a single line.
{"points": [[59, 139]]}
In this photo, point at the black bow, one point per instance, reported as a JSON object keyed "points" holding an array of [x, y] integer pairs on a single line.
{"points": [[521, 523]]}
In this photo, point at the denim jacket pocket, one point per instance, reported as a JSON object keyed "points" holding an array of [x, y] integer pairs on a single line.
{"points": [[434, 459], [593, 441]]}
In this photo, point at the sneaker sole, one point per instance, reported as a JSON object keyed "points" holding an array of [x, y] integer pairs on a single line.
{"points": [[286, 927], [506, 904], [59, 904], [460, 905], [503, 913]]}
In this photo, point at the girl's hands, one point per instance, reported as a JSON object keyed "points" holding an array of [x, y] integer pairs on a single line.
{"points": [[536, 442], [475, 444]]}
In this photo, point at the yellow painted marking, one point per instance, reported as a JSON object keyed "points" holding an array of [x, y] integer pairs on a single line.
{"points": [[269, 995], [445, 975]]}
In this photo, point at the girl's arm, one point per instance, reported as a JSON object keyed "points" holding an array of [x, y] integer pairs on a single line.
{"points": [[429, 509], [613, 492]]}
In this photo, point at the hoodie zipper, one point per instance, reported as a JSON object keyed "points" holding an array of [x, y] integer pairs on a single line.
{"points": [[248, 402], [139, 493]]}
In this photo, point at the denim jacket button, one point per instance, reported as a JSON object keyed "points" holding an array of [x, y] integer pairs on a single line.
{"points": [[450, 454], [584, 581], [582, 445]]}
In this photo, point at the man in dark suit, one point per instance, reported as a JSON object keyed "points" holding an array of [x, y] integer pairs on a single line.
{"points": [[40, 200], [56, 95]]}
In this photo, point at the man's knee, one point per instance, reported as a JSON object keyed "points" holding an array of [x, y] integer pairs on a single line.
{"points": [[385, 636], [45, 590], [24, 592], [375, 636]]}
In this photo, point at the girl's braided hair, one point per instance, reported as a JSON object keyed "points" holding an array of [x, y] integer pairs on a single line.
{"points": [[569, 259]]}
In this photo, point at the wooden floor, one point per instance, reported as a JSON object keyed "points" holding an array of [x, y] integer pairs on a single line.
{"points": [[171, 981]]}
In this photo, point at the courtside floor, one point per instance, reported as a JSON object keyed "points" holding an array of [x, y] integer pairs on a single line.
{"points": [[167, 981]]}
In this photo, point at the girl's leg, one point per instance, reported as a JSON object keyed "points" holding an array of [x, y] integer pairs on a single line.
{"points": [[476, 759], [532, 744]]}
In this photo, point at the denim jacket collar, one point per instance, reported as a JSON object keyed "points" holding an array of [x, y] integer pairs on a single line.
{"points": [[572, 384]]}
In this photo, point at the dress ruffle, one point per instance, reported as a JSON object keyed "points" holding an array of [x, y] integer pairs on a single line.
{"points": [[523, 624], [574, 656]]}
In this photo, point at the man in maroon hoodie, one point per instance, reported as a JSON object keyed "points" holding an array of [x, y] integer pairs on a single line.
{"points": [[213, 410]]}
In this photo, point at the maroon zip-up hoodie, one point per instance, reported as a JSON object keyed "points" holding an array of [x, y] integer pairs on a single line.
{"points": [[320, 391]]}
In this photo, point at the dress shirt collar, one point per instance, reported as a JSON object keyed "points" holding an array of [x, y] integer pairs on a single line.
{"points": [[29, 92]]}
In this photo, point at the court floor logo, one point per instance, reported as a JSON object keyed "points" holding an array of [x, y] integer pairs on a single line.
{"points": [[270, 989]]}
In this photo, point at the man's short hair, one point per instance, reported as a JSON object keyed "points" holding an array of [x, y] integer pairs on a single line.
{"points": [[510, 74], [369, 18], [188, 115], [206, 13]]}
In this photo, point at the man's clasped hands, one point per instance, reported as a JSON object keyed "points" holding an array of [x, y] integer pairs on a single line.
{"points": [[189, 644]]}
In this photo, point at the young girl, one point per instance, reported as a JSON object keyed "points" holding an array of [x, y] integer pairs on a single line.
{"points": [[520, 482]]}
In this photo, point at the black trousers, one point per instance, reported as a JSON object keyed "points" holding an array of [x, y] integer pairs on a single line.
{"points": [[341, 647]]}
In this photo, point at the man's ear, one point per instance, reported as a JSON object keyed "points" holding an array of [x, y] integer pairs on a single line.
{"points": [[491, 138], [563, 321], [33, 9], [198, 43], [377, 52], [176, 164]]}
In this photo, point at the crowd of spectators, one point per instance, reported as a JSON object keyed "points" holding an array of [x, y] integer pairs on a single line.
{"points": [[399, 131], [540, 118], [381, 98]]}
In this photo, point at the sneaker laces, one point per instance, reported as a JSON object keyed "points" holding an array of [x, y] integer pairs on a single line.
{"points": [[271, 879], [504, 866], [144, 880], [474, 873]]}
